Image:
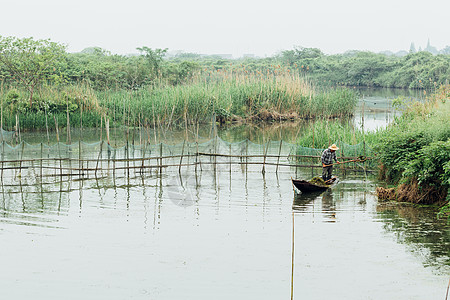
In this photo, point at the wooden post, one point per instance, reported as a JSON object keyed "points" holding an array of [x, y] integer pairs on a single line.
{"points": [[80, 163], [265, 154], [3, 158], [292, 257], [127, 149], [279, 154], [196, 154], [57, 132], [107, 130], [18, 128], [42, 148], [143, 159], [246, 157], [69, 141], [81, 120], [46, 126], [181, 157], [230, 162], [160, 159], [98, 158]]}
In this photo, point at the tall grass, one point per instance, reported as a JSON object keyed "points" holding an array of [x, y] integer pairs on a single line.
{"points": [[225, 95], [231, 96], [322, 133]]}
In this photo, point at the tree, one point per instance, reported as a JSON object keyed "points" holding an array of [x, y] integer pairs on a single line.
{"points": [[154, 58], [28, 60]]}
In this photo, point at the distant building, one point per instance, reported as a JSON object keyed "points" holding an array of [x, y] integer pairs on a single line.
{"points": [[430, 48]]}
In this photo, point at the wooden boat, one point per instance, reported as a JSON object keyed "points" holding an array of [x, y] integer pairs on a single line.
{"points": [[308, 187]]}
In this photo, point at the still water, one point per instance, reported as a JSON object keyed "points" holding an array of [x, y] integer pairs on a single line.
{"points": [[219, 233]]}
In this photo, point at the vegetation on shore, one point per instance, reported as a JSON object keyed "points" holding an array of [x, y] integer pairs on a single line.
{"points": [[362, 68], [414, 151]]}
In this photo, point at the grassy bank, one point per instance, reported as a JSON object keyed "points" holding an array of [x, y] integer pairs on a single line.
{"points": [[234, 96], [414, 151]]}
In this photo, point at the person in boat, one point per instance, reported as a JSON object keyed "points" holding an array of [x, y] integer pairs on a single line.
{"points": [[328, 156]]}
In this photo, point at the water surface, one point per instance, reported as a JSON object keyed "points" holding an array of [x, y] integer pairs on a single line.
{"points": [[214, 233]]}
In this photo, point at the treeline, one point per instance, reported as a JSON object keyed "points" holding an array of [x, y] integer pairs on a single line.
{"points": [[362, 68], [101, 69]]}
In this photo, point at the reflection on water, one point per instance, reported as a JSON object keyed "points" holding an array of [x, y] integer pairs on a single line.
{"points": [[426, 236], [218, 235]]}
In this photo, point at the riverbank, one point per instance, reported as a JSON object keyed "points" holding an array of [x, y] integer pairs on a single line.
{"points": [[414, 152]]}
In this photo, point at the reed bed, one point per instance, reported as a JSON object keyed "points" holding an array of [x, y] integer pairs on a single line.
{"points": [[211, 95]]}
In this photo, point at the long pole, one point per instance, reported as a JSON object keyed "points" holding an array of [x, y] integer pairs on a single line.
{"points": [[292, 258]]}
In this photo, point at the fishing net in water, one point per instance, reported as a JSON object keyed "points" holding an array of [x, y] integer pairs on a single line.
{"points": [[81, 158]]}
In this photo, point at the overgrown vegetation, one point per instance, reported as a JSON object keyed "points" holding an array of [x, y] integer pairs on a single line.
{"points": [[228, 97], [414, 151]]}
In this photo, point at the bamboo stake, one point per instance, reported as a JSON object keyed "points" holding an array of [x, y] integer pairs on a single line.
{"points": [[42, 148], [69, 141], [56, 127], [279, 154], [292, 257], [265, 155], [246, 157], [230, 162], [18, 127], [107, 130], [3, 158], [127, 149], [196, 153], [98, 158], [448, 286], [80, 162], [181, 157], [46, 126], [160, 155], [21, 156]]}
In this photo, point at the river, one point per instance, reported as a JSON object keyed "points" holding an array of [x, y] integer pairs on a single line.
{"points": [[224, 233]]}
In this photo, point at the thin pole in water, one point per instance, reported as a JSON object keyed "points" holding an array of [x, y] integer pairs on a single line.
{"points": [[279, 154], [181, 157], [160, 158], [292, 258], [446, 295], [42, 146], [265, 154]]}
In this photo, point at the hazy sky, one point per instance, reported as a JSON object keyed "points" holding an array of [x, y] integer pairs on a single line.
{"points": [[234, 26]]}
